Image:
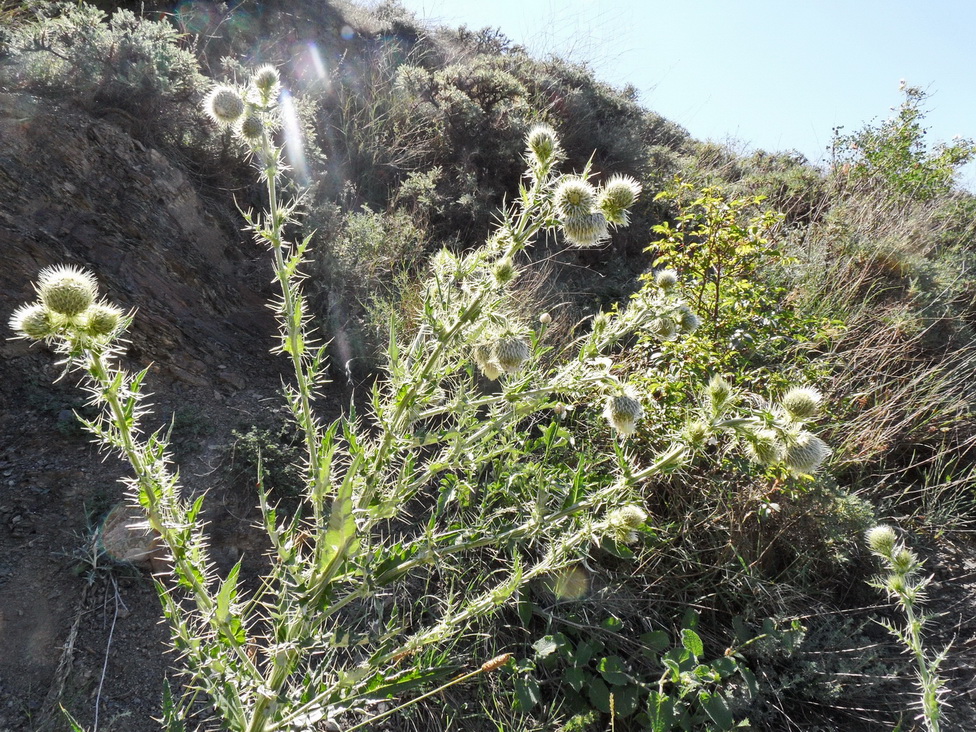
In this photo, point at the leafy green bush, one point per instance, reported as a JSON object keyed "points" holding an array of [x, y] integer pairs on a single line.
{"points": [[124, 64]]}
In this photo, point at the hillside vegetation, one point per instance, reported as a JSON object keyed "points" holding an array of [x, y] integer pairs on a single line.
{"points": [[647, 460]]}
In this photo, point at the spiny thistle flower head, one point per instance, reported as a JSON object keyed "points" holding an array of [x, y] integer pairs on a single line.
{"points": [[66, 290], [485, 359], [804, 453], [718, 393], [881, 540], [629, 517], [663, 327], [696, 433], [102, 319], [504, 271], [586, 230], [764, 447], [904, 561], [251, 127], [802, 403], [224, 105], [510, 352], [618, 195], [267, 81], [666, 279], [574, 197], [542, 144], [623, 412], [33, 321], [896, 584], [688, 322]]}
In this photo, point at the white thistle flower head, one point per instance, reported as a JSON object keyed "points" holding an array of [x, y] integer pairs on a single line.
{"points": [[804, 453], [718, 394], [545, 318], [629, 517], [504, 271], [588, 230], [903, 561], [511, 352], [66, 290], [881, 540], [764, 447], [696, 433], [663, 327], [574, 197], [102, 319], [802, 403], [618, 195], [251, 127], [33, 321], [542, 144], [267, 82], [688, 322], [666, 279], [224, 105], [623, 413]]}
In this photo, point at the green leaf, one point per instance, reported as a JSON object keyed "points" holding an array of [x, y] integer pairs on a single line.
{"points": [[625, 700], [599, 694], [576, 678], [717, 710], [660, 711], [546, 646], [692, 642], [613, 671], [527, 693], [657, 640], [230, 623]]}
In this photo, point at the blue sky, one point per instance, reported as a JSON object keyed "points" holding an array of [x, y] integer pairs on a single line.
{"points": [[758, 73]]}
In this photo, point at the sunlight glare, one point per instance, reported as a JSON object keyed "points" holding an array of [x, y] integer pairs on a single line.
{"points": [[294, 146]]}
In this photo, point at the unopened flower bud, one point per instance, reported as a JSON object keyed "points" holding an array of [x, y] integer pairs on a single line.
{"points": [[688, 322], [764, 447], [251, 127], [718, 393], [631, 517], [881, 539], [511, 352], [545, 318], [623, 412], [66, 290], [663, 327], [102, 320], [33, 321], [804, 453], [224, 105], [903, 561], [666, 279], [586, 230], [802, 403], [266, 81], [618, 195], [504, 271], [574, 197], [543, 144]]}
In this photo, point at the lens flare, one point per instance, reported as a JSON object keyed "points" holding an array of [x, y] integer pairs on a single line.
{"points": [[572, 583], [347, 33], [294, 146], [317, 64]]}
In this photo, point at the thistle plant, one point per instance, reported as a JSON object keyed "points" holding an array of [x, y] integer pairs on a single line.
{"points": [[902, 583], [394, 501]]}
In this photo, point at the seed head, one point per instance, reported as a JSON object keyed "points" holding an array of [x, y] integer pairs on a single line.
{"points": [[543, 145], [666, 279], [66, 290], [224, 105], [618, 195], [102, 319], [586, 230], [623, 412], [574, 197], [804, 453], [511, 352], [802, 403], [33, 321], [881, 539]]}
